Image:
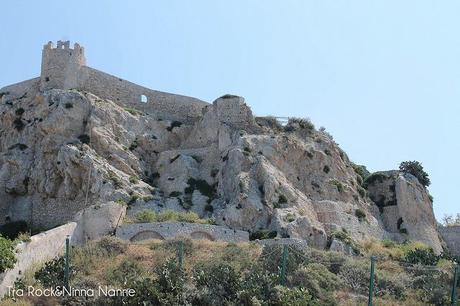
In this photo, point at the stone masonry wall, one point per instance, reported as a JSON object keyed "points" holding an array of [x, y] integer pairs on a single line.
{"points": [[159, 104], [451, 235], [64, 67], [42, 247], [171, 230]]}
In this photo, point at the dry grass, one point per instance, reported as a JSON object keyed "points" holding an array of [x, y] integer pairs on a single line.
{"points": [[388, 249], [91, 261]]}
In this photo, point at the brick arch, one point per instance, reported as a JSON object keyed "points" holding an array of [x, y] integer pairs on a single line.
{"points": [[146, 235], [202, 235]]}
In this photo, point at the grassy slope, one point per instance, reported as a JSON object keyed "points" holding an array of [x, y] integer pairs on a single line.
{"points": [[330, 278]]}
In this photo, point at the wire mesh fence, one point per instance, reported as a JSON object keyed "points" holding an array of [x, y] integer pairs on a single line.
{"points": [[186, 272]]}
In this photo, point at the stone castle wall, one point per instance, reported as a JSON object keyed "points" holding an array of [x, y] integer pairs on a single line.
{"points": [[158, 104], [171, 230], [451, 235], [64, 67]]}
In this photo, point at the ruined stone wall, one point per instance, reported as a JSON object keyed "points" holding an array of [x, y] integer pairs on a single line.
{"points": [[41, 248], [171, 230], [158, 104], [451, 235]]}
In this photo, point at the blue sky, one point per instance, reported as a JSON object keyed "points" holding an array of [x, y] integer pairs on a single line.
{"points": [[382, 76]]}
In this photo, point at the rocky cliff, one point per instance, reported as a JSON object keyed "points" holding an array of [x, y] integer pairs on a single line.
{"points": [[62, 151]]}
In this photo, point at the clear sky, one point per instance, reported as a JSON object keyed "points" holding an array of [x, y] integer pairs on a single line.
{"points": [[382, 76]]}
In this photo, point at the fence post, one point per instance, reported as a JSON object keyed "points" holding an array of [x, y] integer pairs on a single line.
{"points": [[283, 265], [67, 262], [181, 254], [453, 297], [371, 282]]}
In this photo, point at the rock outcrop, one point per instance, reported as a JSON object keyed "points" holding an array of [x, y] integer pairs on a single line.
{"points": [[405, 207], [62, 151]]}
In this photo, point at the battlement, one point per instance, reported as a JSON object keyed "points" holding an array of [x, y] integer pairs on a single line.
{"points": [[65, 45], [61, 65]]}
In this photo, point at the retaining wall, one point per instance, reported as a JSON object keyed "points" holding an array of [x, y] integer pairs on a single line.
{"points": [[171, 230], [42, 247]]}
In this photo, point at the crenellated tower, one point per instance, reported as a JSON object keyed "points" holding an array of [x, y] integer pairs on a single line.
{"points": [[61, 65]]}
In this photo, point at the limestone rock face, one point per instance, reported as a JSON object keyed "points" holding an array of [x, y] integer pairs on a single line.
{"points": [[406, 208], [64, 153]]}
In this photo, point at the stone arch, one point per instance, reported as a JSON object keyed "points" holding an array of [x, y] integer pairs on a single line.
{"points": [[202, 235], [147, 235]]}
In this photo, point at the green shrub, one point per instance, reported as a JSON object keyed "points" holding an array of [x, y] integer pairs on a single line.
{"points": [[203, 187], [7, 254], [146, 216], [257, 284], [396, 284], [133, 179], [19, 111], [271, 258], [318, 280], [299, 124], [134, 145], [133, 198], [361, 171], [147, 293], [270, 122], [52, 274], [362, 192], [263, 234], [346, 238], [360, 214], [282, 199], [126, 272], [373, 178], [283, 296], [18, 124], [84, 138], [218, 283], [133, 111], [171, 279], [432, 286], [355, 274], [425, 257], [175, 194], [416, 169], [23, 237], [338, 185]]}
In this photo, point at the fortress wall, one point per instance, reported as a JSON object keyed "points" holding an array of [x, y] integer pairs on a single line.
{"points": [[451, 235], [19, 89], [160, 104], [171, 230], [41, 248]]}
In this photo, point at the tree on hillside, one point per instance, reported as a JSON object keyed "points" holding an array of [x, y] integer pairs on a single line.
{"points": [[449, 220], [416, 169]]}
